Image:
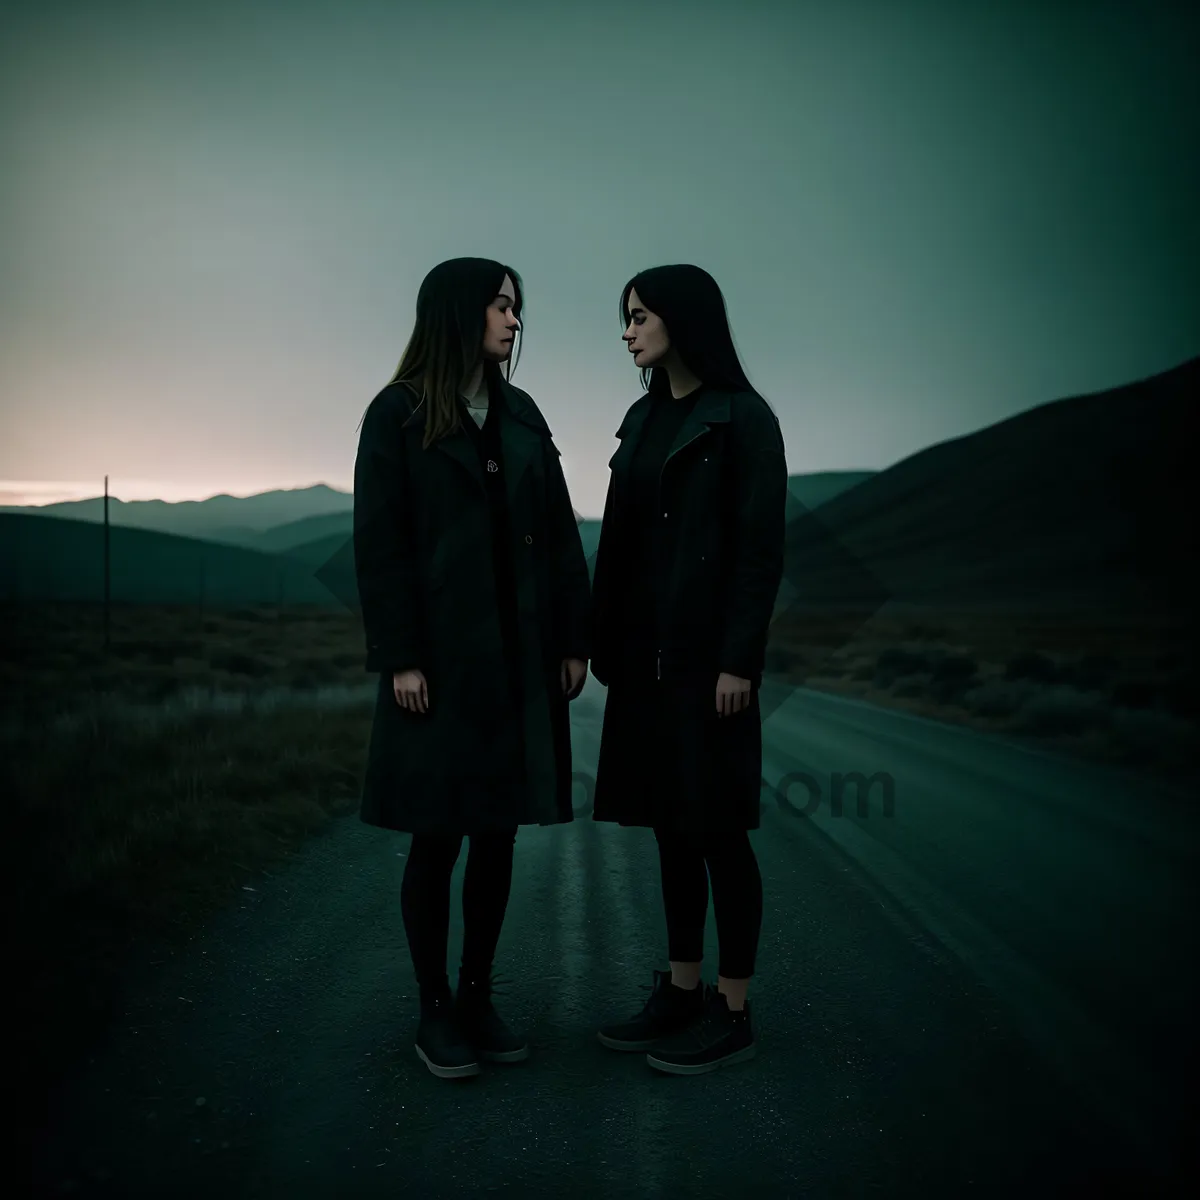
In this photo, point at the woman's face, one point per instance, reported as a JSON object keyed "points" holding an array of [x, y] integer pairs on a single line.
{"points": [[501, 324], [645, 335]]}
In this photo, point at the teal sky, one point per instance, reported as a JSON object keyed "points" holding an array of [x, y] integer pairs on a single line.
{"points": [[925, 217]]}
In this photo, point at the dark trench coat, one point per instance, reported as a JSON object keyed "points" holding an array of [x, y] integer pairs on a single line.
{"points": [[666, 757], [423, 557]]}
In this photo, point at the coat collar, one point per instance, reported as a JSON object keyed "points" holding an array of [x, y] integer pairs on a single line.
{"points": [[516, 402], [712, 407], [523, 430]]}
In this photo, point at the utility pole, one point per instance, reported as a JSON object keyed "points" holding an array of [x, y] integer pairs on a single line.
{"points": [[107, 588]]}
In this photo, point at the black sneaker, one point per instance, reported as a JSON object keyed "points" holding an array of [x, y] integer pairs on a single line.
{"points": [[441, 1045], [482, 1025], [668, 1010]]}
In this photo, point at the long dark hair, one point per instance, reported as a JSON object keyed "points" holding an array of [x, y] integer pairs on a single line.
{"points": [[444, 344], [692, 307]]}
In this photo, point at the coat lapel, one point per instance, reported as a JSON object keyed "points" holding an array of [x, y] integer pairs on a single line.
{"points": [[522, 428], [522, 431], [710, 409]]}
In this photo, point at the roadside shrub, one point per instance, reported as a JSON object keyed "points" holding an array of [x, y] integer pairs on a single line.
{"points": [[1159, 736], [924, 633], [1000, 697], [1089, 673], [954, 666], [130, 647], [237, 663], [1134, 693], [1062, 709], [1032, 665], [911, 685], [167, 650], [250, 614], [1181, 695], [953, 672], [897, 661]]}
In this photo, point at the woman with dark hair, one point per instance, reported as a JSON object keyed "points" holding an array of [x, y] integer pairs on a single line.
{"points": [[687, 570], [476, 608]]}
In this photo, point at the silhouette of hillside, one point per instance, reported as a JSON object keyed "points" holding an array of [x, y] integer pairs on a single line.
{"points": [[53, 559], [315, 539], [237, 520], [320, 550], [816, 488], [293, 535], [1077, 502]]}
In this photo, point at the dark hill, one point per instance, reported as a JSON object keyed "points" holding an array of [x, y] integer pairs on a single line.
{"points": [[51, 559], [292, 535], [816, 488], [1078, 502]]}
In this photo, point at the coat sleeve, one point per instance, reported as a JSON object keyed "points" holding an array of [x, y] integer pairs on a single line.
{"points": [[384, 558], [758, 522], [571, 589]]}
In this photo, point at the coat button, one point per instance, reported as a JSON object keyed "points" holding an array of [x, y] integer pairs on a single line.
{"points": [[528, 540], [664, 516]]}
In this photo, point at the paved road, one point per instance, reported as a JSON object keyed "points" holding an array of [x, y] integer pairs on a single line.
{"points": [[987, 991]]}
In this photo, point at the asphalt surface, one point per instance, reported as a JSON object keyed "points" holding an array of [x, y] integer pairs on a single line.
{"points": [[988, 991]]}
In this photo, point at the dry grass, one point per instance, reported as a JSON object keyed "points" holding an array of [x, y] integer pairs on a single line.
{"points": [[1115, 688], [152, 783]]}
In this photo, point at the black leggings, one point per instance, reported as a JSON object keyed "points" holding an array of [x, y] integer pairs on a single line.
{"points": [[688, 861]]}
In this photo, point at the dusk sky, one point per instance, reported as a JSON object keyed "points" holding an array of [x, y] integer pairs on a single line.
{"points": [[925, 217]]}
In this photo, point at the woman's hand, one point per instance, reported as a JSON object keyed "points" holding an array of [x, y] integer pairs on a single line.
{"points": [[733, 694], [410, 690], [572, 674]]}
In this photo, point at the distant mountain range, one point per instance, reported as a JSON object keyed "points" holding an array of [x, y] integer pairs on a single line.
{"points": [[299, 520], [238, 520], [1079, 501], [221, 551]]}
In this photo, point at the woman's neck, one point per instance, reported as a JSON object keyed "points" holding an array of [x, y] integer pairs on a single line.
{"points": [[475, 385]]}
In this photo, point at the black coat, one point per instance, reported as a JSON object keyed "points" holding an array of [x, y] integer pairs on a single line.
{"points": [[716, 549], [423, 543]]}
